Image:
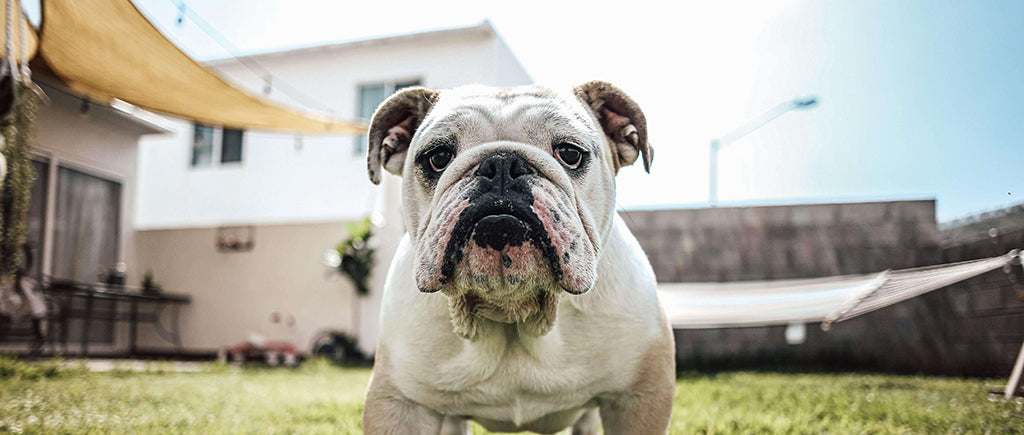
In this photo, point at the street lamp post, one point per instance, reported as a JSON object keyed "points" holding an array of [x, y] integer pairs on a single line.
{"points": [[745, 129]]}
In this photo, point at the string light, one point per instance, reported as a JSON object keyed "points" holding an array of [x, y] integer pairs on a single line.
{"points": [[253, 66], [84, 108], [181, 14]]}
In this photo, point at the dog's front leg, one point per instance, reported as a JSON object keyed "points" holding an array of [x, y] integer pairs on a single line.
{"points": [[387, 412], [646, 407], [646, 414], [455, 426]]}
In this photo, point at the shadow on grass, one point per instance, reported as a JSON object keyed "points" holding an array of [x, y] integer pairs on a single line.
{"points": [[14, 368]]}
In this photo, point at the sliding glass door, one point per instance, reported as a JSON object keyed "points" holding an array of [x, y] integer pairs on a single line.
{"points": [[86, 225]]}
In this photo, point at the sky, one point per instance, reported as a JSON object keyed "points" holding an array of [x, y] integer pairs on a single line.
{"points": [[918, 99]]}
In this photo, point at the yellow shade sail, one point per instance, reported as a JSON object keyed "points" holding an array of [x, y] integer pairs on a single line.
{"points": [[107, 49]]}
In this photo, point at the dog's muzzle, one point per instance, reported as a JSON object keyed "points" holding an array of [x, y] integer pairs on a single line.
{"points": [[505, 231], [500, 222]]}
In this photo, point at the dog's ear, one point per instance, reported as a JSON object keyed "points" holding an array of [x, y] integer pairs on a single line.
{"points": [[622, 120], [392, 128]]}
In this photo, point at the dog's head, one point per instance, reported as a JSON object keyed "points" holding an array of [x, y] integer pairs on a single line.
{"points": [[508, 193]]}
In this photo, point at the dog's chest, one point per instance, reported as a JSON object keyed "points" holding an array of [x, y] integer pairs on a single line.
{"points": [[513, 381]]}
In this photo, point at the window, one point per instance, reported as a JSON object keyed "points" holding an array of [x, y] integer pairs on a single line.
{"points": [[86, 225], [370, 96], [231, 146], [208, 142], [202, 145]]}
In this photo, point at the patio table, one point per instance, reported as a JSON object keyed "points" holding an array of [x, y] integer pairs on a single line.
{"points": [[66, 291]]}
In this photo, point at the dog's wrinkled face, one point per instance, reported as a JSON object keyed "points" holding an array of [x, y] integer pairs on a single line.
{"points": [[508, 193]]}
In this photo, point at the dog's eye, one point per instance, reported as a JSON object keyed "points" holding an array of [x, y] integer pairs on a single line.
{"points": [[569, 155], [440, 159]]}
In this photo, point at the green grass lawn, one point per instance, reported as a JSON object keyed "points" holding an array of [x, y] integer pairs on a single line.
{"points": [[319, 398]]}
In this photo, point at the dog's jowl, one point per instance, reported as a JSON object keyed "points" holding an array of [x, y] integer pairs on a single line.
{"points": [[518, 298]]}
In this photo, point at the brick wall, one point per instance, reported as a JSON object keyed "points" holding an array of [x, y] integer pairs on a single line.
{"points": [[983, 317], [790, 241]]}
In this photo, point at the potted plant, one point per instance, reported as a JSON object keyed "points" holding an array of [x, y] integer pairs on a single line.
{"points": [[354, 258]]}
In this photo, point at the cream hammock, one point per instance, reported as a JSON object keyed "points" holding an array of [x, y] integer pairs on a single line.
{"points": [[826, 300]]}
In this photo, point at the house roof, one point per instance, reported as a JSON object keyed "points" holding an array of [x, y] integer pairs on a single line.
{"points": [[138, 120], [481, 29]]}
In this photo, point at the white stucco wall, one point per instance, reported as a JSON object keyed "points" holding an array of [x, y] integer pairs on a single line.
{"points": [[507, 69], [277, 181], [235, 294]]}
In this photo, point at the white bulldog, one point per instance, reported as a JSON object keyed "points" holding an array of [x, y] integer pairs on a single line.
{"points": [[518, 298]]}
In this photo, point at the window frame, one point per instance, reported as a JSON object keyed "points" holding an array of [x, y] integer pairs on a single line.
{"points": [[359, 145], [53, 164], [241, 147], [118, 215], [216, 148]]}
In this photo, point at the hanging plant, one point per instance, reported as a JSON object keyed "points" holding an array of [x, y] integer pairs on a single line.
{"points": [[357, 255], [16, 193]]}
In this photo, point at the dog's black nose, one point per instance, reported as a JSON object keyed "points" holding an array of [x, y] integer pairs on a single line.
{"points": [[498, 231], [502, 169]]}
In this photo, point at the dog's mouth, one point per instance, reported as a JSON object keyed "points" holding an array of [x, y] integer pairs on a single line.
{"points": [[498, 227]]}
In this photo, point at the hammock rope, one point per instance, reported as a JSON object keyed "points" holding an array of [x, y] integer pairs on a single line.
{"points": [[909, 283], [9, 39], [23, 38]]}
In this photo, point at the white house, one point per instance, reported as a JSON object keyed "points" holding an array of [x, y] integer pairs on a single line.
{"points": [[291, 195]]}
